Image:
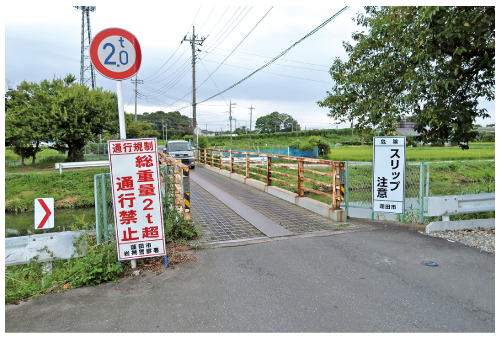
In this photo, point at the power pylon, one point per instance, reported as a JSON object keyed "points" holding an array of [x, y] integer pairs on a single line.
{"points": [[87, 74]]}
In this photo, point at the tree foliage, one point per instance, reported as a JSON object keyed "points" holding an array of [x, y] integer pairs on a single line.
{"points": [[59, 111], [276, 122], [177, 125], [139, 129], [433, 63]]}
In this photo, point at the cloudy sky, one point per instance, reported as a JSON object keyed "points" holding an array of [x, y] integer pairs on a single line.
{"points": [[42, 40]]}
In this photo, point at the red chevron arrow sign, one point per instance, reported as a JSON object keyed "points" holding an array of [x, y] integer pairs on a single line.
{"points": [[44, 213]]}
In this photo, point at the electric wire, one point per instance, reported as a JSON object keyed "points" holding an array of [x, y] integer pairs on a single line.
{"points": [[234, 26], [277, 74], [304, 68], [282, 53], [262, 56], [199, 32], [177, 47], [229, 54], [210, 76], [224, 25]]}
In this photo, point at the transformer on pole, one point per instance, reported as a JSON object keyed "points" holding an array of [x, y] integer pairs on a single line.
{"points": [[87, 74]]}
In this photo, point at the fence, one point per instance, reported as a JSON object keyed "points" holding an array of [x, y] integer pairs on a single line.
{"points": [[359, 187], [282, 152], [291, 176], [96, 149], [357, 178], [172, 174]]}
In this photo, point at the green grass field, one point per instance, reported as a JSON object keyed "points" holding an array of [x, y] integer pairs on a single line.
{"points": [[418, 154]]}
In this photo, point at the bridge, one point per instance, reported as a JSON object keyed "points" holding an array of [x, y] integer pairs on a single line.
{"points": [[229, 206]]}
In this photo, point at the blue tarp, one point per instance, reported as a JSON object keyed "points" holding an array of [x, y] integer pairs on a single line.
{"points": [[282, 152]]}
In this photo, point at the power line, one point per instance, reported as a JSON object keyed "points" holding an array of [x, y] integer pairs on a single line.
{"points": [[175, 50], [282, 53], [277, 74], [292, 61], [234, 26], [229, 54], [217, 22], [304, 68], [206, 20], [237, 45], [210, 76], [223, 27]]}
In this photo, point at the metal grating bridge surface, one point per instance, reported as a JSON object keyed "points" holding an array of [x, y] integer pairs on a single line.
{"points": [[227, 210]]}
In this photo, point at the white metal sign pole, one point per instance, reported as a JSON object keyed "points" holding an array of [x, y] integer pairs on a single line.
{"points": [[121, 112], [123, 132]]}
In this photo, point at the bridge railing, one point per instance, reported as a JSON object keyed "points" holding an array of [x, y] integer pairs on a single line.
{"points": [[288, 172]]}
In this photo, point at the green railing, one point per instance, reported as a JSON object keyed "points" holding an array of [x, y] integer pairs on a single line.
{"points": [[104, 214], [358, 187]]}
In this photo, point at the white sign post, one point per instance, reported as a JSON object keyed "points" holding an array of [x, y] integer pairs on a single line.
{"points": [[135, 180], [389, 164], [116, 54]]}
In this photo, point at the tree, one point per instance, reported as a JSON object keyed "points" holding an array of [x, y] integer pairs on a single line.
{"points": [[22, 106], [433, 63], [139, 129], [242, 130], [76, 115], [276, 122], [177, 125]]}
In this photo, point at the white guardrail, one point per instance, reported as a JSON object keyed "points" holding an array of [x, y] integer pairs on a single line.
{"points": [[21, 249], [60, 166], [460, 204]]}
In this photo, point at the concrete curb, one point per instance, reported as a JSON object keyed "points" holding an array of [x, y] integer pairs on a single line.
{"points": [[488, 223]]}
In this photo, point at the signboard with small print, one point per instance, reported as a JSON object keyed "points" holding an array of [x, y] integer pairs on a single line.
{"points": [[135, 179], [389, 163]]}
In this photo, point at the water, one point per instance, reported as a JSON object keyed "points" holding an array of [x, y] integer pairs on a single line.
{"points": [[22, 224]]}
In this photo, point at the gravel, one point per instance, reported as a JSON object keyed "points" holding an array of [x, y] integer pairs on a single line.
{"points": [[483, 239]]}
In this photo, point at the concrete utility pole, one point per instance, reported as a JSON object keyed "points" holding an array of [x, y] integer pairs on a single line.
{"points": [[193, 42], [140, 82], [251, 108], [230, 123]]}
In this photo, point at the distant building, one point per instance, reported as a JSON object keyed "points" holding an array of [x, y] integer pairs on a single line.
{"points": [[407, 128], [208, 133]]}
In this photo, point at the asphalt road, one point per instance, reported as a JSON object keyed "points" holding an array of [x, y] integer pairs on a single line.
{"points": [[369, 281]]}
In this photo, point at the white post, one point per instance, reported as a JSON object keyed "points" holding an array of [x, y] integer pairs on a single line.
{"points": [[121, 113], [123, 133]]}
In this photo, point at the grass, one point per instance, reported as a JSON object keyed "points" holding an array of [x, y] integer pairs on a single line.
{"points": [[418, 154], [71, 189]]}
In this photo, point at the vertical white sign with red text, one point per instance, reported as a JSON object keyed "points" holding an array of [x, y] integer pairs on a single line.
{"points": [[135, 179]]}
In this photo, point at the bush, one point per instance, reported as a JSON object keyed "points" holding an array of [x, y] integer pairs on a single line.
{"points": [[316, 142], [203, 142], [295, 145], [490, 137]]}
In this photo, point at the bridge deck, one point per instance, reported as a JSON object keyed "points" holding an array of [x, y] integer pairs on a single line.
{"points": [[228, 210]]}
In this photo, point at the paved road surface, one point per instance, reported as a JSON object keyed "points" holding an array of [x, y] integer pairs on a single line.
{"points": [[369, 281]]}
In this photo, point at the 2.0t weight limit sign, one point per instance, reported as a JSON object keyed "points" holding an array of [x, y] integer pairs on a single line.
{"points": [[115, 53]]}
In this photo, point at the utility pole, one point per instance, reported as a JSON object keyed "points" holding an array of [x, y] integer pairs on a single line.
{"points": [[193, 42], [140, 82], [230, 123], [251, 108]]}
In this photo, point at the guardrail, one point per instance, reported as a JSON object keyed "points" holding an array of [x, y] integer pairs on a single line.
{"points": [[261, 168], [21, 249], [60, 166], [460, 204]]}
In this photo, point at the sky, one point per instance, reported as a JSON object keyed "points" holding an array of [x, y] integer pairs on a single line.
{"points": [[43, 40]]}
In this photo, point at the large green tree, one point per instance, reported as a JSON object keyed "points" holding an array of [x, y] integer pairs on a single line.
{"points": [[23, 105], [77, 114], [276, 122], [430, 63]]}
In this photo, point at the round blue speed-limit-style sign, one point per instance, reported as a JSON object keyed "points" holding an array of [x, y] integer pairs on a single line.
{"points": [[116, 53]]}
